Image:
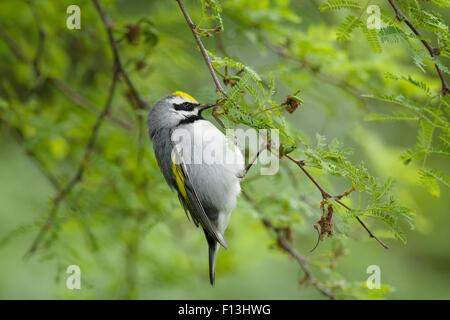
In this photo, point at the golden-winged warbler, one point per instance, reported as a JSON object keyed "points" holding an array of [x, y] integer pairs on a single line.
{"points": [[199, 162]]}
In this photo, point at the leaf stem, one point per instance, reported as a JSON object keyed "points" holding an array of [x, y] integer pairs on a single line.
{"points": [[434, 52], [202, 48], [284, 244], [327, 195]]}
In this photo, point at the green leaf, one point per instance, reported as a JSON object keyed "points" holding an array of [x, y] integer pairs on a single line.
{"points": [[218, 62], [373, 39], [397, 99], [339, 4], [418, 59], [441, 3], [419, 84], [431, 179], [430, 183], [345, 29], [392, 34], [395, 117], [428, 20], [425, 134]]}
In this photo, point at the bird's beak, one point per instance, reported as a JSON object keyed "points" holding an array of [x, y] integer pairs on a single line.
{"points": [[203, 107]]}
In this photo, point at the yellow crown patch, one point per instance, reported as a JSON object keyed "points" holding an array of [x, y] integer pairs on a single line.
{"points": [[184, 95]]}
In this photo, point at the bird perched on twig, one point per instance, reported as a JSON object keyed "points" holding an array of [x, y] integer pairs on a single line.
{"points": [[199, 162]]}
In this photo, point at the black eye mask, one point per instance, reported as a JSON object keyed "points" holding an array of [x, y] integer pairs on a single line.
{"points": [[185, 106]]}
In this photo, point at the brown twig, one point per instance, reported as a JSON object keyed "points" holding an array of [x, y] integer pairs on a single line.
{"points": [[83, 102], [77, 98], [216, 117], [327, 195], [142, 104], [434, 52], [285, 245], [345, 194], [252, 161], [263, 146], [32, 155], [81, 168], [41, 39], [202, 48], [59, 84], [13, 46]]}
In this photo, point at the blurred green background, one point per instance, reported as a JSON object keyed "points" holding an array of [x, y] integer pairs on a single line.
{"points": [[125, 228]]}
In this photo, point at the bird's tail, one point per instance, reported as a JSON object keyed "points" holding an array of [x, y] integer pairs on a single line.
{"points": [[213, 248]]}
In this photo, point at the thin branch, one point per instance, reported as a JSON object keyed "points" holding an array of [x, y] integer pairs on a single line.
{"points": [[77, 98], [284, 244], [434, 52], [262, 147], [327, 195], [13, 46], [83, 102], [301, 165], [32, 155], [141, 103], [81, 168], [50, 177], [216, 117], [59, 84], [202, 48], [251, 162], [41, 39]]}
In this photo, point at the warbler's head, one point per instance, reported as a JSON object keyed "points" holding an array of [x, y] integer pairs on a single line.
{"points": [[173, 110]]}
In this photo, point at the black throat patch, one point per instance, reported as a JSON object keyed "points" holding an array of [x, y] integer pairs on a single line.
{"points": [[190, 119]]}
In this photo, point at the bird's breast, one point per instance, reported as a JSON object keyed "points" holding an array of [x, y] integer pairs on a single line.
{"points": [[201, 143], [213, 161]]}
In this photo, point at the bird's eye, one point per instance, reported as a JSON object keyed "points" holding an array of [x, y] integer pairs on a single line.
{"points": [[185, 106]]}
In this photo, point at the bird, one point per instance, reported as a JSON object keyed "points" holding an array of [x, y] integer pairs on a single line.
{"points": [[197, 160]]}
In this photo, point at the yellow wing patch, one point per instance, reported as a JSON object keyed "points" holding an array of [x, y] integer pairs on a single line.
{"points": [[179, 178], [184, 95]]}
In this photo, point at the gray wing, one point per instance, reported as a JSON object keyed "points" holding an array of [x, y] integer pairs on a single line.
{"points": [[189, 198]]}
